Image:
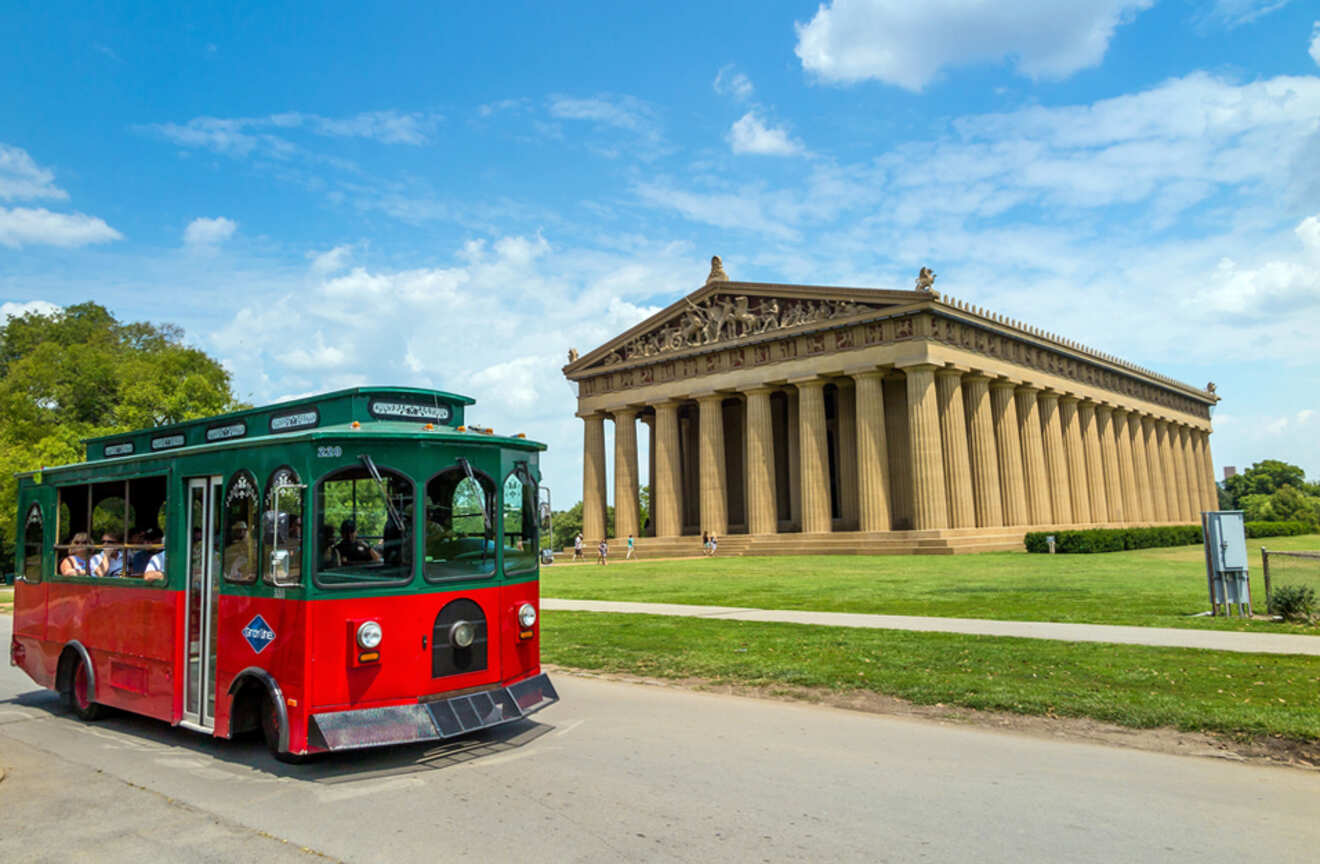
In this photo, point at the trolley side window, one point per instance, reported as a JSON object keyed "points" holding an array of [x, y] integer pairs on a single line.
{"points": [[239, 560], [364, 528], [34, 544], [519, 514], [112, 529], [282, 529], [460, 526]]}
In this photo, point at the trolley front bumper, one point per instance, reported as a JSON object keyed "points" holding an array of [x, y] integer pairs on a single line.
{"points": [[431, 721]]}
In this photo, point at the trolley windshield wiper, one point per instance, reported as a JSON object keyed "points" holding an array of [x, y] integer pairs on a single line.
{"points": [[389, 505], [481, 493]]}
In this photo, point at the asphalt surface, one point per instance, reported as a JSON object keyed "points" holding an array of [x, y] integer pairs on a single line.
{"points": [[1215, 640], [625, 772]]}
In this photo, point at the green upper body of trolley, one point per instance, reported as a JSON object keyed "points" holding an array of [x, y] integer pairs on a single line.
{"points": [[407, 435]]}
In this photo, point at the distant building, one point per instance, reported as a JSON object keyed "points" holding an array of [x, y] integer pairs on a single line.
{"points": [[1230, 471]]}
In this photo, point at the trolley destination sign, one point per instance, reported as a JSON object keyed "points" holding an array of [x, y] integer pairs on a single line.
{"points": [[361, 404]]}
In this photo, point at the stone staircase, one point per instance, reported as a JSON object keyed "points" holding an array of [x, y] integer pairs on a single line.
{"points": [[944, 542]]}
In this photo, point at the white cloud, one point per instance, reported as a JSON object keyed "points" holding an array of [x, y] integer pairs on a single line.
{"points": [[205, 234], [750, 135], [22, 178], [907, 44], [1232, 13], [242, 136], [1315, 42], [40, 307], [627, 114], [331, 261], [730, 82], [22, 226]]}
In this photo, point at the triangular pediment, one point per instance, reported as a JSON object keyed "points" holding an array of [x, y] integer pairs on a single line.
{"points": [[722, 313]]}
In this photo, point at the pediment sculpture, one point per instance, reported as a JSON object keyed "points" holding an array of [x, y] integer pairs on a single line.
{"points": [[721, 318]]}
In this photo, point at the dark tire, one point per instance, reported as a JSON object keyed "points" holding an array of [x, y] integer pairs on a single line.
{"points": [[77, 695], [270, 730]]}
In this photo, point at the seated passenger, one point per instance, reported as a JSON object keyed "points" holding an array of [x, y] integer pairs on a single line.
{"points": [[352, 550], [147, 537], [110, 560], [329, 553], [77, 562], [155, 568], [239, 554]]}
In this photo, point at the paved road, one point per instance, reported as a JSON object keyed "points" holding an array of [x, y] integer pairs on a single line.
{"points": [[620, 772], [1217, 640]]}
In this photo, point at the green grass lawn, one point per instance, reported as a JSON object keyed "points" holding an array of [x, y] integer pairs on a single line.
{"points": [[1148, 587], [1138, 686]]}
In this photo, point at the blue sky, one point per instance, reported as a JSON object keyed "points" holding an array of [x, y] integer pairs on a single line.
{"points": [[452, 195]]}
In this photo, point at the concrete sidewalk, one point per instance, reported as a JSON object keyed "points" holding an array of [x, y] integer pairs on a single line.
{"points": [[1214, 640]]}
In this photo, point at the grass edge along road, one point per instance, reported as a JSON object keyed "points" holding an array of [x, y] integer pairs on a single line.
{"points": [[1227, 693], [1145, 587]]}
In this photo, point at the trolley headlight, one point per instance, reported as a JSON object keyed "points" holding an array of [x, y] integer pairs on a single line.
{"points": [[527, 615], [368, 635], [461, 634]]}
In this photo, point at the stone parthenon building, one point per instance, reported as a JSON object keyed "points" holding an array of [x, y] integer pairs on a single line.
{"points": [[806, 418]]}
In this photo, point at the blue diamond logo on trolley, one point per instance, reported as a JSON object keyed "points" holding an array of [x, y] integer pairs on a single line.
{"points": [[258, 634]]}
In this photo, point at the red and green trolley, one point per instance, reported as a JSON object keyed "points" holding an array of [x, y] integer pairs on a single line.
{"points": [[348, 570]]}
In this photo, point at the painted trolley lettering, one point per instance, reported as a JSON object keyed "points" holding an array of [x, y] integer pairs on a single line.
{"points": [[291, 421], [392, 409], [166, 442], [226, 431]]}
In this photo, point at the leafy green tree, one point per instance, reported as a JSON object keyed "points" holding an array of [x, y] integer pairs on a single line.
{"points": [[568, 523], [1262, 478], [80, 373], [1285, 504]]}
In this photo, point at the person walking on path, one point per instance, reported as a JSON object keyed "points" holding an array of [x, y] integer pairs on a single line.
{"points": [[577, 547], [705, 543], [631, 547], [714, 543], [601, 552]]}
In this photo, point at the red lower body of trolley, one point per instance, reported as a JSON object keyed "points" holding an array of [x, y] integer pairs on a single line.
{"points": [[295, 669]]}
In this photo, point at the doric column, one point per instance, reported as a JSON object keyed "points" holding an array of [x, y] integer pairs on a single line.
{"points": [[1013, 490], [593, 478], [1164, 440], [1155, 468], [1056, 459], [710, 447], [1075, 454], [761, 516], [985, 462], [1186, 498], [814, 456], [872, 454], [666, 487], [1125, 443], [1034, 473], [1116, 507], [1194, 493], [1143, 472], [794, 478], [625, 472], [846, 441], [1208, 472], [929, 504], [1095, 469], [953, 445]]}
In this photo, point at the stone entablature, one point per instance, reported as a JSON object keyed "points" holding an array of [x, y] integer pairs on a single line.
{"points": [[649, 354], [788, 408]]}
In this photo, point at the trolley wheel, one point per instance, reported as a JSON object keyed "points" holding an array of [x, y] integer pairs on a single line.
{"points": [[77, 695], [270, 730]]}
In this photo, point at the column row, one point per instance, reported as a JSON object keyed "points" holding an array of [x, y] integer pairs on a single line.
{"points": [[973, 451]]}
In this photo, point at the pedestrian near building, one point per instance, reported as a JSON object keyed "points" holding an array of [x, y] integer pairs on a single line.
{"points": [[631, 548], [577, 547], [714, 543], [601, 552], [705, 543]]}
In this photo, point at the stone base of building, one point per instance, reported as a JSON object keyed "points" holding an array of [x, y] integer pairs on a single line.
{"points": [[941, 542]]}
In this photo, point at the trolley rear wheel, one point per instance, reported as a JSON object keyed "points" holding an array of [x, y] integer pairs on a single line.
{"points": [[77, 693]]}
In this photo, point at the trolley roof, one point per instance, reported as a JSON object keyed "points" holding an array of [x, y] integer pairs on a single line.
{"points": [[377, 411]]}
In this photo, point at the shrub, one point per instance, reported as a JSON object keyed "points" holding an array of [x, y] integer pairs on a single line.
{"points": [[1277, 529], [1114, 539], [1293, 602]]}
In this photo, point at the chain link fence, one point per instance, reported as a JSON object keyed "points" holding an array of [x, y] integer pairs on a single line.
{"points": [[1301, 568]]}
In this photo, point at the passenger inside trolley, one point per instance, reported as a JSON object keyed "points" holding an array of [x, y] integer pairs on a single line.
{"points": [[78, 561]]}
